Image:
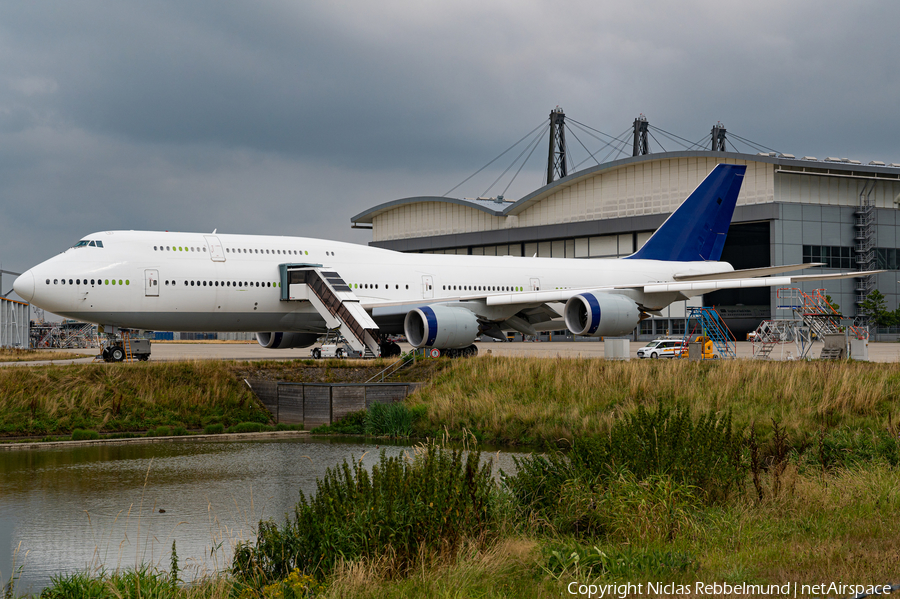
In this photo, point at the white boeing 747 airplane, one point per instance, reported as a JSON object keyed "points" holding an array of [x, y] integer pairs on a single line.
{"points": [[290, 290]]}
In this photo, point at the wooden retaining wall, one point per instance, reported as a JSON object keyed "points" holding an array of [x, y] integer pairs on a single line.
{"points": [[315, 404]]}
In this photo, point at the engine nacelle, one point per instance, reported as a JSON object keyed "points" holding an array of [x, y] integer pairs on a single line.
{"points": [[286, 340], [440, 326], [601, 314]]}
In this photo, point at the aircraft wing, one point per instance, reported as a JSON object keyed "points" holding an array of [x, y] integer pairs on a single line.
{"points": [[687, 288]]}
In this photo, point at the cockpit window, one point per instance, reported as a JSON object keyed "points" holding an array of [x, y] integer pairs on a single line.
{"points": [[88, 243]]}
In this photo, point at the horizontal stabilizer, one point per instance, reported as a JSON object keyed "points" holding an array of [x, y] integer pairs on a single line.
{"points": [[745, 273], [698, 287]]}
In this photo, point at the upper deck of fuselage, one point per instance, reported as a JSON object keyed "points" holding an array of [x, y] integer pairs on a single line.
{"points": [[353, 261]]}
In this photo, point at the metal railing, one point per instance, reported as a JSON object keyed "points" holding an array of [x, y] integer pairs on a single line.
{"points": [[392, 369]]}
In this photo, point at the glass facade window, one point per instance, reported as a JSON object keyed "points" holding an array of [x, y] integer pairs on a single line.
{"points": [[840, 257], [844, 257], [886, 259]]}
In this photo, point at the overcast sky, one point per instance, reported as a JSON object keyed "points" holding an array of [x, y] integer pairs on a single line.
{"points": [[287, 118]]}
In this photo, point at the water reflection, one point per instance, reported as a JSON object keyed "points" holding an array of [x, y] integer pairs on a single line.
{"points": [[124, 505]]}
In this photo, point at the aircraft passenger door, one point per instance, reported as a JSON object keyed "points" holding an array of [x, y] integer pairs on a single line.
{"points": [[216, 253], [535, 284], [151, 282], [427, 286]]}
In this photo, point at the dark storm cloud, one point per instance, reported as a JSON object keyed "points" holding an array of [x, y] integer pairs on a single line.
{"points": [[269, 77], [288, 118]]}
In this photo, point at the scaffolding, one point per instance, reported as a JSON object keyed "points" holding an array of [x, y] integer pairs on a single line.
{"points": [[68, 334], [812, 318], [779, 333]]}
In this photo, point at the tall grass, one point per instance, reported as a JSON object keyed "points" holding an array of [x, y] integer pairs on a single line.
{"points": [[119, 397], [391, 420], [642, 480], [405, 510], [532, 399], [136, 583]]}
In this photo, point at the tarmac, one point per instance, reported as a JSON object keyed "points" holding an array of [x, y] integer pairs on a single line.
{"points": [[878, 352]]}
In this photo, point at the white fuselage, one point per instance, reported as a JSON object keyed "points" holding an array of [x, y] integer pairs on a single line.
{"points": [[197, 282]]}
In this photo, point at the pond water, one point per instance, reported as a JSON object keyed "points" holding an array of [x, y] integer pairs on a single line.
{"points": [[116, 506]]}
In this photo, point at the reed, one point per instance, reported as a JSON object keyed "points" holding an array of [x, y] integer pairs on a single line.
{"points": [[403, 512], [516, 400]]}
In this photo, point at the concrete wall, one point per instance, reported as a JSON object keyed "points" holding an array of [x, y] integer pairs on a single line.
{"points": [[315, 404]]}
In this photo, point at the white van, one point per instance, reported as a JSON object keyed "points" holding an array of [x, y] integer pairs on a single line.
{"points": [[662, 348]]}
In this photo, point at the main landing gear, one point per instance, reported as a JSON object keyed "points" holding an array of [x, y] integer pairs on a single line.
{"points": [[465, 352], [389, 349]]}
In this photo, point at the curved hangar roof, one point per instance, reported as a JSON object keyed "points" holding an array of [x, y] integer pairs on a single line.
{"points": [[636, 186]]}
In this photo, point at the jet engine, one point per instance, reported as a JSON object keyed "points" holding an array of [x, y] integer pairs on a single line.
{"points": [[440, 326], [286, 340], [601, 314]]}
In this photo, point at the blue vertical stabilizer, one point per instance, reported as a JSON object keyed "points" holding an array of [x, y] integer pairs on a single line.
{"points": [[697, 229]]}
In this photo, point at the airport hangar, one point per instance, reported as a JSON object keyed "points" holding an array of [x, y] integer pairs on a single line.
{"points": [[789, 211]]}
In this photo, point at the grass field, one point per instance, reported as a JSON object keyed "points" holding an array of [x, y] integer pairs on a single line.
{"points": [[56, 399], [28, 355], [810, 492]]}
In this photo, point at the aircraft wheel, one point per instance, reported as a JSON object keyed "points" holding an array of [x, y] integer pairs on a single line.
{"points": [[471, 351], [389, 349], [316, 353], [116, 354]]}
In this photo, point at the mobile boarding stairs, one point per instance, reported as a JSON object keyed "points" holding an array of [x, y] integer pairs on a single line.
{"points": [[335, 302]]}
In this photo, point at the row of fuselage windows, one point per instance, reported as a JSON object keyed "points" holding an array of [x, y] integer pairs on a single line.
{"points": [[91, 282], [481, 288], [172, 283], [179, 248], [269, 284], [372, 286], [223, 284]]}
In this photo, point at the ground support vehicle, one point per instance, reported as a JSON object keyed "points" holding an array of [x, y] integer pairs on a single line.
{"points": [[662, 348]]}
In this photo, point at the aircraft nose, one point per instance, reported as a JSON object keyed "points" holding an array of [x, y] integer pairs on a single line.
{"points": [[24, 286]]}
